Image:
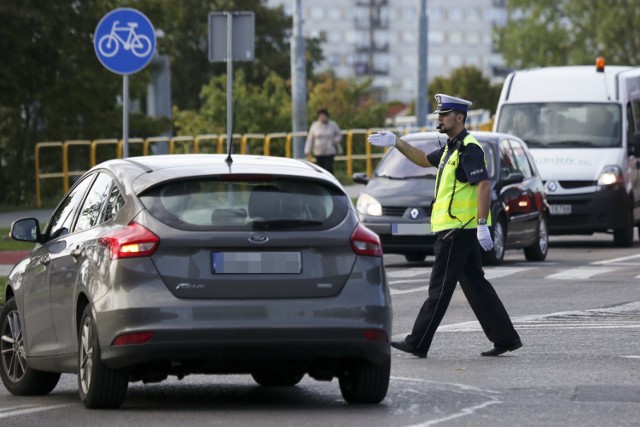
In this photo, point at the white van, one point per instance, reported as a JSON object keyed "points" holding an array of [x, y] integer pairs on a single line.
{"points": [[582, 125]]}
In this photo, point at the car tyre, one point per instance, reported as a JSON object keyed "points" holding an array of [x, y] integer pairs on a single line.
{"points": [[498, 234], [415, 257], [623, 237], [99, 386], [18, 378], [538, 250], [365, 382], [277, 378]]}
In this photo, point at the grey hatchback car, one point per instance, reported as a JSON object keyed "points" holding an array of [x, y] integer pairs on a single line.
{"points": [[189, 264]]}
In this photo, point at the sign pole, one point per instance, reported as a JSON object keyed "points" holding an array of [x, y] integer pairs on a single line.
{"points": [[229, 81], [125, 116]]}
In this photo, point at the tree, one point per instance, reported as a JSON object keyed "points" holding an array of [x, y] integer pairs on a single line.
{"points": [[564, 32], [350, 102], [469, 83], [257, 108], [184, 24]]}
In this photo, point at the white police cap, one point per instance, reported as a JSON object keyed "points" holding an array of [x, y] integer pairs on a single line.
{"points": [[448, 103]]}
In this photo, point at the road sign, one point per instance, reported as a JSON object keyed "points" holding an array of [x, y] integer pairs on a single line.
{"points": [[124, 41], [243, 29]]}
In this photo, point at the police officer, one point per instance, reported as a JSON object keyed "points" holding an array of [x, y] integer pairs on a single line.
{"points": [[460, 217]]}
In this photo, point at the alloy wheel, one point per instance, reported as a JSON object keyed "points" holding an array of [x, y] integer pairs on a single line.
{"points": [[14, 362], [86, 355]]}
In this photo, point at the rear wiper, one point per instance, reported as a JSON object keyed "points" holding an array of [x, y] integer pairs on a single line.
{"points": [[284, 223]]}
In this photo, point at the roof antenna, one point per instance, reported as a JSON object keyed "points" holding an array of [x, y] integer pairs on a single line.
{"points": [[229, 160]]}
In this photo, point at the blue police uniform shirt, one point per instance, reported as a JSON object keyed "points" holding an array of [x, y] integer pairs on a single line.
{"points": [[471, 168]]}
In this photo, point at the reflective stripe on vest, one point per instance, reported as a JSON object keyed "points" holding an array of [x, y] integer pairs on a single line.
{"points": [[464, 205]]}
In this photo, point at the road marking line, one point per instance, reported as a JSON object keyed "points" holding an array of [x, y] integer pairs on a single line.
{"points": [[470, 410], [412, 272], [578, 273], [29, 409], [631, 357], [408, 291], [495, 273], [609, 261]]}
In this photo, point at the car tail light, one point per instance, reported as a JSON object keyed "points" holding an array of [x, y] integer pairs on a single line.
{"points": [[365, 242], [375, 335], [133, 338], [132, 241]]}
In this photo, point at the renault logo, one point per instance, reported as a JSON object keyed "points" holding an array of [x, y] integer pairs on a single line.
{"points": [[414, 213], [258, 238], [551, 186]]}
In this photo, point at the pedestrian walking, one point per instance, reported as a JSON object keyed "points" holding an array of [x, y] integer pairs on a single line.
{"points": [[460, 217], [323, 140]]}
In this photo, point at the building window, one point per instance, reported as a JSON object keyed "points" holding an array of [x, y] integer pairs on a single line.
{"points": [[334, 36], [472, 60], [472, 38], [436, 13], [334, 59], [436, 37], [455, 14], [317, 13], [455, 61], [455, 37], [436, 60], [408, 37], [334, 13], [472, 14], [409, 14]]}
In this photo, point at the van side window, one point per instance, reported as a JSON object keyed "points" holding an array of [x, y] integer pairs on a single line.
{"points": [[633, 117]]}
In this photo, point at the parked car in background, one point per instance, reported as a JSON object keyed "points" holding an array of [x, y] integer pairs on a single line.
{"points": [[181, 264], [396, 202]]}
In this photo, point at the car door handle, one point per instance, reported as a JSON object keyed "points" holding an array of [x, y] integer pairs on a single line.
{"points": [[45, 260]]}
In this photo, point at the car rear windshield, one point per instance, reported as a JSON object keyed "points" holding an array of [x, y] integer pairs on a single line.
{"points": [[246, 204]]}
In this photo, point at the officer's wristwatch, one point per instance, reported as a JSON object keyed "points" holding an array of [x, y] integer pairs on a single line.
{"points": [[482, 221]]}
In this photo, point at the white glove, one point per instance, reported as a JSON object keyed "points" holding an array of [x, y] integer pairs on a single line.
{"points": [[382, 139], [484, 237]]}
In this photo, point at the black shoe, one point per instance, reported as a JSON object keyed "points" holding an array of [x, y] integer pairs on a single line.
{"points": [[497, 351], [403, 346]]}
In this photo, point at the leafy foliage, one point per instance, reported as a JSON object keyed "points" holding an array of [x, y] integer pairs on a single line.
{"points": [[468, 83], [565, 32]]}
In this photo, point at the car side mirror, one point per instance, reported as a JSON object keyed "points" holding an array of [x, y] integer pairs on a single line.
{"points": [[26, 230], [633, 146], [512, 178], [360, 177]]}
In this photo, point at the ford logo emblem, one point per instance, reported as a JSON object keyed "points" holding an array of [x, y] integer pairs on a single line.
{"points": [[258, 238]]}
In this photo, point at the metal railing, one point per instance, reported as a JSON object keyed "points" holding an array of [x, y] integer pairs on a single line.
{"points": [[276, 143]]}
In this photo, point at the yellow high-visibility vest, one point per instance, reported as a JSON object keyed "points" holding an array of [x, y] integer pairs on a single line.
{"points": [[456, 201]]}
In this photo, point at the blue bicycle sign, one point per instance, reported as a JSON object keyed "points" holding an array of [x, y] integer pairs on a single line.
{"points": [[124, 41]]}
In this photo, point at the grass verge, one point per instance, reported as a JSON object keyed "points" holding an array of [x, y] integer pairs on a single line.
{"points": [[8, 244]]}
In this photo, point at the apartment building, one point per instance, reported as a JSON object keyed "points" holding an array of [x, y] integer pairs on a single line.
{"points": [[379, 38]]}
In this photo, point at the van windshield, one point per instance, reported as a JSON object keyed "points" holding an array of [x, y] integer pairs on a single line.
{"points": [[563, 125]]}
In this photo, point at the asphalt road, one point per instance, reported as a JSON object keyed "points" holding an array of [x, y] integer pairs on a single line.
{"points": [[578, 314]]}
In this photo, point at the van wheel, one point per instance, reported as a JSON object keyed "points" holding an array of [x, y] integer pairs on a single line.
{"points": [[17, 376], [498, 234], [538, 250], [623, 237]]}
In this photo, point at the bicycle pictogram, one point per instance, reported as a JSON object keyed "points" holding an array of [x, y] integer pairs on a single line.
{"points": [[138, 44]]}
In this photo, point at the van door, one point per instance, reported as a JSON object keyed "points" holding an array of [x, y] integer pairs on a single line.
{"points": [[633, 160]]}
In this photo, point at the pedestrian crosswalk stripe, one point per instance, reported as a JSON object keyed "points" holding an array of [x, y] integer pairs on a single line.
{"points": [[579, 273], [494, 273]]}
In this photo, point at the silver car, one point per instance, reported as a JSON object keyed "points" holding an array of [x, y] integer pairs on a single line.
{"points": [[188, 264]]}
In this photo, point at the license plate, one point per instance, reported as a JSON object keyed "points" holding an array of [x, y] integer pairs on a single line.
{"points": [[256, 262], [418, 229], [560, 209]]}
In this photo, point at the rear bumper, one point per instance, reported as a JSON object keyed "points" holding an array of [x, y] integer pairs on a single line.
{"points": [[594, 212], [402, 244], [237, 350]]}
